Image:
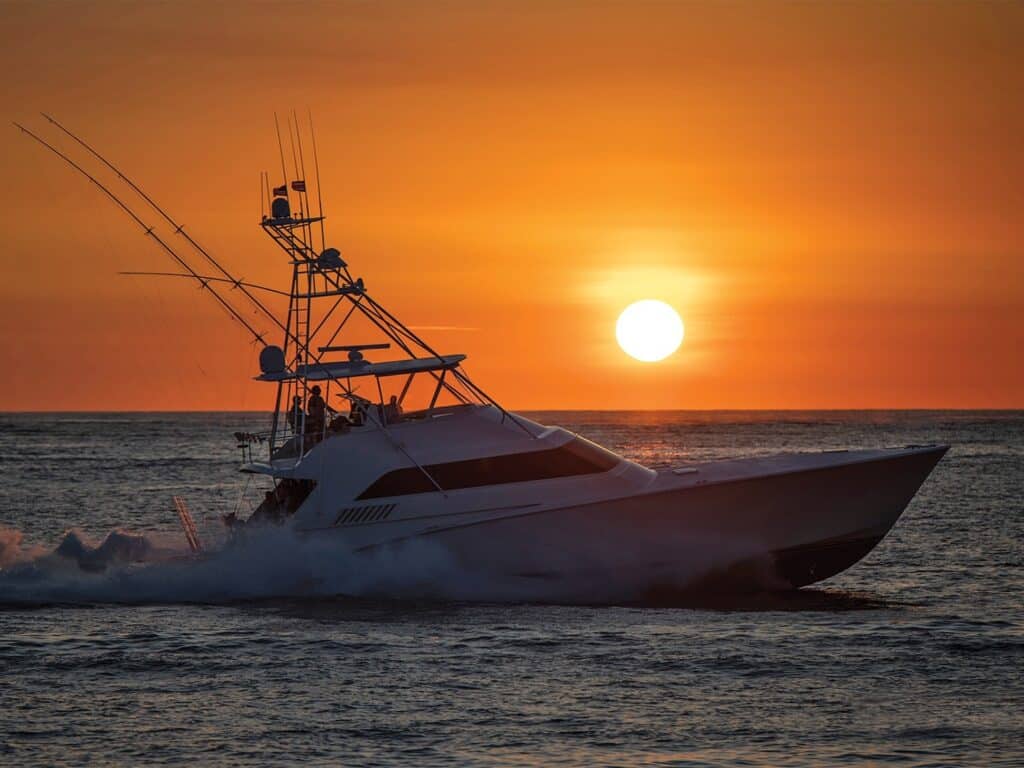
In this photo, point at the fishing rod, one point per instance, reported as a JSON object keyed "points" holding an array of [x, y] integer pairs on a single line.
{"points": [[179, 229], [149, 231]]}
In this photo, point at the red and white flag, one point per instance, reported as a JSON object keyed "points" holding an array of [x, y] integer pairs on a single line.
{"points": [[281, 191], [299, 186]]}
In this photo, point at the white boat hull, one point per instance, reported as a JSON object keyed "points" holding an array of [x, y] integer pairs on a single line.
{"points": [[769, 523], [777, 531]]}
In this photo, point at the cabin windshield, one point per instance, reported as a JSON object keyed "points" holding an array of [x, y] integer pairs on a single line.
{"points": [[330, 408]]}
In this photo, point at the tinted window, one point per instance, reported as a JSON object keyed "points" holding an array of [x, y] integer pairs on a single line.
{"points": [[577, 457]]}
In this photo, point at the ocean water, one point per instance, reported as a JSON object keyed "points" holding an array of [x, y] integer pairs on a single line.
{"points": [[280, 655]]}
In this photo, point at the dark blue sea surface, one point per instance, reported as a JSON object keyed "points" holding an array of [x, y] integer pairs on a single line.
{"points": [[912, 657]]}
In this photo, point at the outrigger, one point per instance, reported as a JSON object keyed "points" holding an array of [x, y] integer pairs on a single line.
{"points": [[416, 451]]}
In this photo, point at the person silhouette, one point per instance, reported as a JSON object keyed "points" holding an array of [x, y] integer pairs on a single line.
{"points": [[295, 415], [392, 411], [318, 409]]}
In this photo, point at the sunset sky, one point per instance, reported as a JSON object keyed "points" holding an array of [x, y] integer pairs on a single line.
{"points": [[831, 195]]}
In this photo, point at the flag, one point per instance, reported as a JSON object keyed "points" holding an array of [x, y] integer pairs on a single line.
{"points": [[281, 191], [299, 186]]}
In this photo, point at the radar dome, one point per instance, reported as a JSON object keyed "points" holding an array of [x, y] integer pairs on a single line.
{"points": [[330, 259], [272, 360], [280, 209]]}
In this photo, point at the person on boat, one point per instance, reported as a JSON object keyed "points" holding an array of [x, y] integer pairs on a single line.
{"points": [[392, 411], [295, 415], [316, 417], [355, 413]]}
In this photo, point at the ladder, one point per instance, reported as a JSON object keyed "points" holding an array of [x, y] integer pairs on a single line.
{"points": [[187, 524]]}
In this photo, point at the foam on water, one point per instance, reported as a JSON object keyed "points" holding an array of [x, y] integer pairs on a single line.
{"points": [[273, 562], [127, 567]]}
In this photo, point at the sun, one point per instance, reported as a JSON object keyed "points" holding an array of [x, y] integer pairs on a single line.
{"points": [[649, 330]]}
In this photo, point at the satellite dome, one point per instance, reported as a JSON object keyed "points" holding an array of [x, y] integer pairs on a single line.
{"points": [[330, 259], [280, 209], [272, 360]]}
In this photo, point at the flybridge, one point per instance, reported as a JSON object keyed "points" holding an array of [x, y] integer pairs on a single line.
{"points": [[348, 369], [324, 300]]}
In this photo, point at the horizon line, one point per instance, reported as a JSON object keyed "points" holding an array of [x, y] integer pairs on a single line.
{"points": [[873, 409]]}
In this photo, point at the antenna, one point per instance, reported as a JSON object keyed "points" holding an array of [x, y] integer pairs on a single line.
{"points": [[280, 149], [302, 165], [295, 158], [319, 197], [298, 135]]}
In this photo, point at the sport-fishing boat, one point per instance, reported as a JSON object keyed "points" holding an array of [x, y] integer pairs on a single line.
{"points": [[376, 439]]}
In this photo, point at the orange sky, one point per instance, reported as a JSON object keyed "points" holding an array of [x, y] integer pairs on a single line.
{"points": [[830, 195]]}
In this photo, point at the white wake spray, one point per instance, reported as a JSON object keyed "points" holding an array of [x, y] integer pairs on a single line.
{"points": [[273, 562], [128, 567]]}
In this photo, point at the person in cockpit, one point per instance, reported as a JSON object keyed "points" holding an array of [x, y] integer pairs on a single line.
{"points": [[392, 411], [295, 415], [316, 417]]}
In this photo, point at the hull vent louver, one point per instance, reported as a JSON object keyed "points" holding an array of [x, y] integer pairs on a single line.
{"points": [[370, 513]]}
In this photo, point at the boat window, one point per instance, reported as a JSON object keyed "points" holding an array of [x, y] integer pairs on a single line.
{"points": [[577, 457]]}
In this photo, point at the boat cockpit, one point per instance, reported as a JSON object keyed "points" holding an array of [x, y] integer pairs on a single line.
{"points": [[401, 392]]}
